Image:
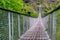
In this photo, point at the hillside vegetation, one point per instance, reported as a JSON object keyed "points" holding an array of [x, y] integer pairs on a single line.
{"points": [[19, 6]]}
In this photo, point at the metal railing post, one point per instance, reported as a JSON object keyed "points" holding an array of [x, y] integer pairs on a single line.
{"points": [[12, 27], [27, 23], [24, 24], [18, 26], [9, 25], [53, 24]]}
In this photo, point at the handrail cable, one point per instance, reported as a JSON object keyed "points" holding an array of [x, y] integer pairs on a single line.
{"points": [[14, 12]]}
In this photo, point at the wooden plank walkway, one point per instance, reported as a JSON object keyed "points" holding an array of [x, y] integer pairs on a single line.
{"points": [[37, 32]]}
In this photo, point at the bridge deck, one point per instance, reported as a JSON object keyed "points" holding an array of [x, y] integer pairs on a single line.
{"points": [[36, 32]]}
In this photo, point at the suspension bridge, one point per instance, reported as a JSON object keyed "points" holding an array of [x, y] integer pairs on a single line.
{"points": [[27, 28], [34, 29], [37, 31]]}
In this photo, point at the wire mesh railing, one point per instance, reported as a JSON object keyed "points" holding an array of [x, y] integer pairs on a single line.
{"points": [[13, 25]]}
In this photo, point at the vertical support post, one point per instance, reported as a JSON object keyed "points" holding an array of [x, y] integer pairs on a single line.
{"points": [[23, 24], [27, 23], [18, 26], [40, 11], [9, 25], [52, 26], [12, 28]]}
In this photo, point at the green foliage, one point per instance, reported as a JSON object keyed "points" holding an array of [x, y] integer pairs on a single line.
{"points": [[58, 35], [48, 7], [46, 29], [19, 6], [11, 4], [58, 25], [29, 10]]}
